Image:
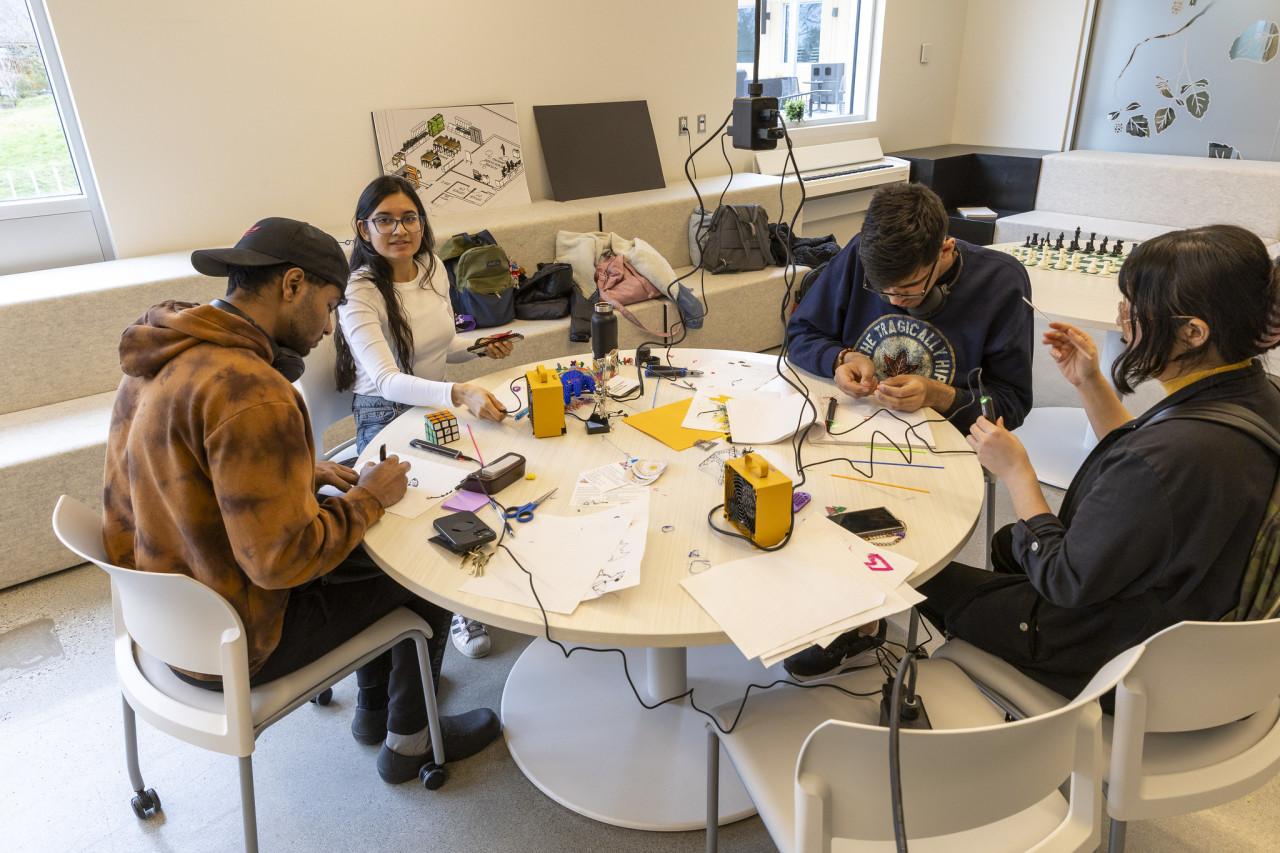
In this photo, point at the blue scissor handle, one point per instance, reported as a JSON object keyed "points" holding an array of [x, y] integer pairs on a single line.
{"points": [[521, 513]]}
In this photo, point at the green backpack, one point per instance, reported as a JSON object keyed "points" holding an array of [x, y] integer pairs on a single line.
{"points": [[480, 275]]}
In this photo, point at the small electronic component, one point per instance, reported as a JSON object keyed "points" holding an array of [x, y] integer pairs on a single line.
{"points": [[495, 476], [546, 402], [757, 499], [441, 427]]}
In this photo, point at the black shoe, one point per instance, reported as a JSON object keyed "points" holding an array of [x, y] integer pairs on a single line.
{"points": [[464, 736], [369, 725], [853, 650]]}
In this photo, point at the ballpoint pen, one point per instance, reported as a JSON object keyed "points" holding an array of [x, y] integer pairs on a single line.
{"points": [[663, 371], [439, 448]]}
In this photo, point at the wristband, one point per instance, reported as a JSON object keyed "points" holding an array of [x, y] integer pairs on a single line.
{"points": [[840, 359]]}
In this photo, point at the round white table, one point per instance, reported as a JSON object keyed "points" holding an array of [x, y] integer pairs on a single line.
{"points": [[573, 725]]}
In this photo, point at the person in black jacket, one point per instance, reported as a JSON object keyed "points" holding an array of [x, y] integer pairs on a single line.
{"points": [[1157, 525]]}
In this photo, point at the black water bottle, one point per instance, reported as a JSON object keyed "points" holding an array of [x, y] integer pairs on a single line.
{"points": [[604, 330]]}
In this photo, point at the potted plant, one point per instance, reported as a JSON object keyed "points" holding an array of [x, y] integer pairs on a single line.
{"points": [[793, 110]]}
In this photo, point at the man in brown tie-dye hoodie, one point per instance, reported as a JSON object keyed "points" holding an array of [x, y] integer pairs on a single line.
{"points": [[211, 472]]}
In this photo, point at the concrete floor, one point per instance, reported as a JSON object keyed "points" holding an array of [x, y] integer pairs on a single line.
{"points": [[64, 787]]}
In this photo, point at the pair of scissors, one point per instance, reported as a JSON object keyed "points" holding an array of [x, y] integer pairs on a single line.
{"points": [[524, 512]]}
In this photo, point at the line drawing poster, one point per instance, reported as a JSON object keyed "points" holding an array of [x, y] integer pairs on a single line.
{"points": [[461, 158]]}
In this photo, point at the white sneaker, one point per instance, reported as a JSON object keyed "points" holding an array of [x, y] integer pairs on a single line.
{"points": [[469, 636]]}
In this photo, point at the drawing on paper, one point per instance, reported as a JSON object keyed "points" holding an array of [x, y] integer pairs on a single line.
{"points": [[459, 158]]}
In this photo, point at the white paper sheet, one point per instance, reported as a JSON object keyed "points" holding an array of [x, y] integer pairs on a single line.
{"points": [[429, 483], [623, 569], [768, 601], [560, 583], [861, 422], [766, 420], [707, 411]]}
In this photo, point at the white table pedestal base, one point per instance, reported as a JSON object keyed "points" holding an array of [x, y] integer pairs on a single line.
{"points": [[576, 730]]}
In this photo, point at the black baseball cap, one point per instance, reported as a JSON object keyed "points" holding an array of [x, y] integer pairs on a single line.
{"points": [[276, 240]]}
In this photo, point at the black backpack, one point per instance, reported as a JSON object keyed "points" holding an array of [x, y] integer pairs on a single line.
{"points": [[737, 240], [545, 295], [807, 282], [1260, 591]]}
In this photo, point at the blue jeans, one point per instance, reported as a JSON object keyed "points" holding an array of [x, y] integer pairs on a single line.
{"points": [[372, 414]]}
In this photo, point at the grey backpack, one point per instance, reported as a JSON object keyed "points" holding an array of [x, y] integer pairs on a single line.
{"points": [[737, 240]]}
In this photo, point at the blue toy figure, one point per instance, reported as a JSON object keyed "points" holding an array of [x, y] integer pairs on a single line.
{"points": [[576, 382]]}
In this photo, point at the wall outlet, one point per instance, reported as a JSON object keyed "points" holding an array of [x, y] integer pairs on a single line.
{"points": [[684, 125], [702, 122]]}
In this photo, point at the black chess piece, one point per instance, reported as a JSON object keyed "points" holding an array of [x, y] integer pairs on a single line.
{"points": [[1026, 244], [1088, 247], [1035, 238], [1075, 242], [1058, 245], [1119, 249], [1102, 250]]}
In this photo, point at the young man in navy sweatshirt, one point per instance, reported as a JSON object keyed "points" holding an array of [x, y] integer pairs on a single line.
{"points": [[913, 318]]}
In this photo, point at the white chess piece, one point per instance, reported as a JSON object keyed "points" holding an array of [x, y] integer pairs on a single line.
{"points": [[1044, 260], [1093, 265], [1075, 261], [1062, 261]]}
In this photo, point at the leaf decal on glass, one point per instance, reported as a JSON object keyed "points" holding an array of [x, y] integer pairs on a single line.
{"points": [[1112, 116], [1162, 86], [1220, 151], [1137, 126], [1165, 117], [1258, 43], [1198, 104], [1133, 106]]}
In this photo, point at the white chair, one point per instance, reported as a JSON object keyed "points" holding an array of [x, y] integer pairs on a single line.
{"points": [[973, 782], [325, 405], [164, 620], [1197, 721]]}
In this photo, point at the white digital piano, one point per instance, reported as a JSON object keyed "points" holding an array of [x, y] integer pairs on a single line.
{"points": [[838, 178]]}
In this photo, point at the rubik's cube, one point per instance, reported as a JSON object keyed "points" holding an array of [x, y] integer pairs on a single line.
{"points": [[442, 427]]}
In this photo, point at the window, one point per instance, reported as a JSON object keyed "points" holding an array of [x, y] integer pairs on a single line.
{"points": [[49, 213], [817, 53]]}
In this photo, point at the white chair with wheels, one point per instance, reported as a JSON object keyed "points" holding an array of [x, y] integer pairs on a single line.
{"points": [[325, 405], [1197, 720], [973, 782], [164, 620]]}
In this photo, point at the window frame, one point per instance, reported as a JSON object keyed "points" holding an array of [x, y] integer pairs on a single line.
{"points": [[87, 200], [863, 57]]}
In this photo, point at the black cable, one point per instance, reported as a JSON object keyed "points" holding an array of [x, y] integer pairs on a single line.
{"points": [[907, 663]]}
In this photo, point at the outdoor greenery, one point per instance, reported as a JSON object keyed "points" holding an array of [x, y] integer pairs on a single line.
{"points": [[31, 141]]}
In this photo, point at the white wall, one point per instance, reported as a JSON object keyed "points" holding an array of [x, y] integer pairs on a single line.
{"points": [[1017, 67], [202, 117]]}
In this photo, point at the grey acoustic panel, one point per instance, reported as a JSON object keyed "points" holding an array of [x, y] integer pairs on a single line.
{"points": [[598, 149]]}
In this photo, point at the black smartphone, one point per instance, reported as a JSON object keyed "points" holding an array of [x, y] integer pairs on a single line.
{"points": [[479, 346], [462, 531], [876, 521]]}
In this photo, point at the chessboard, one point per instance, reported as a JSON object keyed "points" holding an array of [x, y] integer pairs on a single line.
{"points": [[1090, 259]]}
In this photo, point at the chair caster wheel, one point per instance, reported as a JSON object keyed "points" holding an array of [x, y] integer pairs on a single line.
{"points": [[323, 697], [146, 803], [432, 775]]}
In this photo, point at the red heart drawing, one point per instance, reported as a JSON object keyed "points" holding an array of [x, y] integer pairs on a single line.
{"points": [[878, 564]]}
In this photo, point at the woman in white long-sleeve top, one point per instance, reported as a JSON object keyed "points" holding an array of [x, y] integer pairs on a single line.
{"points": [[396, 332]]}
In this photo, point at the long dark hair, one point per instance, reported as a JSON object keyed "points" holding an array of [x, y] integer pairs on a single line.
{"points": [[378, 270], [1218, 273]]}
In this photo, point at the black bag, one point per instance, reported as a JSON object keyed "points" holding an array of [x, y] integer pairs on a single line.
{"points": [[545, 295], [738, 239], [480, 278], [807, 282], [803, 251]]}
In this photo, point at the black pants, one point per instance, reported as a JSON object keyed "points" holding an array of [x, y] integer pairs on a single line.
{"points": [[325, 613], [953, 584]]}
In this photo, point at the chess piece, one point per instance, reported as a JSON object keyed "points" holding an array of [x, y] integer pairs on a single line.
{"points": [[1062, 261], [1026, 244], [1088, 247], [1119, 249], [1075, 261], [1058, 244], [1035, 239], [1102, 250], [1093, 265], [1044, 259]]}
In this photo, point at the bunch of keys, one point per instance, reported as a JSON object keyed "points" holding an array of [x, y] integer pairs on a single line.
{"points": [[477, 557]]}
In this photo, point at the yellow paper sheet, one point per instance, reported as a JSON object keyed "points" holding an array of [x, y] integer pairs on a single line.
{"points": [[664, 424]]}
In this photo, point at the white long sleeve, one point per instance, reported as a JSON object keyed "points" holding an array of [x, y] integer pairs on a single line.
{"points": [[364, 322]]}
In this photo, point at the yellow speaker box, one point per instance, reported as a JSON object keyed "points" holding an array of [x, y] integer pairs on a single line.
{"points": [[546, 402], [757, 499]]}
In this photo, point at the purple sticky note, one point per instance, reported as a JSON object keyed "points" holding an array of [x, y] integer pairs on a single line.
{"points": [[465, 502]]}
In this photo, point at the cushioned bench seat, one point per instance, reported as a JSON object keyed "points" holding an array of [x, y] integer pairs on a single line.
{"points": [[1135, 196]]}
